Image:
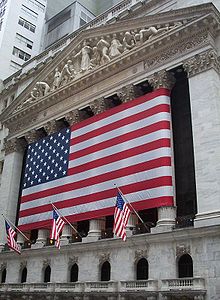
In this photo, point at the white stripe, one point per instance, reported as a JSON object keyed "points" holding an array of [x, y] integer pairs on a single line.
{"points": [[120, 131], [130, 179], [110, 202], [163, 133], [163, 152], [122, 114]]}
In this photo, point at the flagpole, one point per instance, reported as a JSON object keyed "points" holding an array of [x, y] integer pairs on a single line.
{"points": [[139, 217], [16, 228], [66, 220]]}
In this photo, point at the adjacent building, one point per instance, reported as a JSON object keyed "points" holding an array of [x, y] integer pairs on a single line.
{"points": [[142, 77]]}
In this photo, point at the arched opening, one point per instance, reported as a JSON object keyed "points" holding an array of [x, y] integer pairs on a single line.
{"points": [[3, 279], [74, 271], [105, 271], [24, 275], [142, 269], [47, 273], [185, 266]]}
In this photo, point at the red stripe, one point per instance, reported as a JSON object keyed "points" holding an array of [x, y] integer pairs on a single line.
{"points": [[120, 123], [155, 163], [144, 204], [127, 189], [123, 106], [165, 142], [120, 139]]}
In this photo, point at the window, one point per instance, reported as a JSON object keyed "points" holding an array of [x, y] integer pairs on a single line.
{"points": [[21, 54], [29, 12], [1, 22], [84, 19], [14, 66], [24, 275], [3, 279], [3, 2], [74, 271], [1, 166], [36, 4], [185, 266], [47, 273], [28, 25], [2, 11], [57, 21], [142, 269], [24, 41], [105, 271]]}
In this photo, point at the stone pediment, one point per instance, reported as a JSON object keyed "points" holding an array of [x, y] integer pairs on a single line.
{"points": [[104, 48]]}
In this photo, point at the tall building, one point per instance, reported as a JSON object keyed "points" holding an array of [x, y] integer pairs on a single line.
{"points": [[21, 26], [128, 100]]}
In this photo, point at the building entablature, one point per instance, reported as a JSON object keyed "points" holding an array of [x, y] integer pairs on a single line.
{"points": [[87, 69]]}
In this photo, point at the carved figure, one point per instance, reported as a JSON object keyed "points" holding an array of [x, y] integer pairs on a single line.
{"points": [[67, 73], [95, 61], [147, 33], [43, 88], [35, 93], [116, 47], [57, 78], [103, 47], [85, 54], [128, 41]]}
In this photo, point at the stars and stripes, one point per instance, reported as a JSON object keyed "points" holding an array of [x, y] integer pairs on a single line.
{"points": [[57, 227], [12, 244], [121, 216], [77, 167]]}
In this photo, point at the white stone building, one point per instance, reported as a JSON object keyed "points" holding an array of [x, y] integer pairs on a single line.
{"points": [[165, 44]]}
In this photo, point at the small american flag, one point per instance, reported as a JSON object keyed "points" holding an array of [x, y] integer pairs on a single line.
{"points": [[58, 224], [11, 238], [122, 213]]}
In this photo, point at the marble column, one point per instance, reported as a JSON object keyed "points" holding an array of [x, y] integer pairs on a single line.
{"points": [[66, 234], [166, 214], [95, 228], [132, 221], [31, 137], [10, 184], [204, 86]]}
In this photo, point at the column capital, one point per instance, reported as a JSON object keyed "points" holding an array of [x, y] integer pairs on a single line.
{"points": [[14, 145], [32, 136], [202, 62], [98, 106], [162, 79], [127, 93], [53, 126], [73, 117]]}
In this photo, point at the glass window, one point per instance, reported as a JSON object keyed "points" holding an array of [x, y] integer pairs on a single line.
{"points": [[24, 41], [105, 271], [28, 25], [47, 274], [21, 54], [185, 266], [29, 12], [142, 269]]}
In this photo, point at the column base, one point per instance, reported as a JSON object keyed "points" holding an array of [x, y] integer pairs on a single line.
{"points": [[166, 219], [207, 219]]}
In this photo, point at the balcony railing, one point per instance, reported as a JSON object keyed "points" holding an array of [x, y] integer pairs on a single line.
{"points": [[185, 221], [166, 286], [183, 284]]}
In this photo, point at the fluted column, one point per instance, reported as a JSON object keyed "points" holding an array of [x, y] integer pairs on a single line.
{"points": [[204, 85], [132, 221], [166, 214], [31, 137], [11, 175], [95, 228], [66, 234]]}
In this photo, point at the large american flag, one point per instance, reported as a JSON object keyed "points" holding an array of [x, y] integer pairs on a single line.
{"points": [[77, 168]]}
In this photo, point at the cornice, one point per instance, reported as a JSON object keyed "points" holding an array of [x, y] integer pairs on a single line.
{"points": [[166, 47]]}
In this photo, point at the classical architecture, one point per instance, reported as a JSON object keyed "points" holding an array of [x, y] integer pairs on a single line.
{"points": [[141, 46]]}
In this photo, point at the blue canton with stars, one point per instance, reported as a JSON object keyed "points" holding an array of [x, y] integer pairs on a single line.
{"points": [[47, 159]]}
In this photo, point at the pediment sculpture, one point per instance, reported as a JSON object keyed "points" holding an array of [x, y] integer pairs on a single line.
{"points": [[91, 55]]}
